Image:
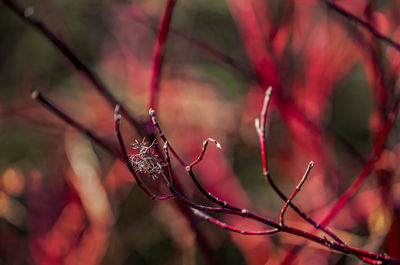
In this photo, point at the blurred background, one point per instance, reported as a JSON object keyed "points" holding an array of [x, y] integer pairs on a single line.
{"points": [[65, 200]]}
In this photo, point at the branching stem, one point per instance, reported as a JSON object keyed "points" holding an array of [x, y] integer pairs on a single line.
{"points": [[260, 127], [125, 158]]}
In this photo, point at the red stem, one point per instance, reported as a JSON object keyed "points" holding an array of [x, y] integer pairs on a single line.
{"points": [[368, 167], [158, 52], [350, 16], [287, 229], [298, 187], [260, 126], [70, 121], [341, 202], [232, 228], [125, 158]]}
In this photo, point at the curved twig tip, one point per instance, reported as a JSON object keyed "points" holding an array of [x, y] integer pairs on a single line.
{"points": [[152, 112], [311, 164], [214, 141]]}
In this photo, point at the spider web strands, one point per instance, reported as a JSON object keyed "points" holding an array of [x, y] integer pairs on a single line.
{"points": [[146, 161], [157, 62], [79, 65], [350, 16], [298, 187], [260, 127], [287, 229], [125, 158], [158, 52], [204, 245], [367, 169], [140, 127], [75, 124], [200, 237]]}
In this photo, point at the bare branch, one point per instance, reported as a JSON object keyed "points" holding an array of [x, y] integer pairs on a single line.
{"points": [[75, 124], [79, 65], [350, 16], [298, 187], [126, 160], [159, 50]]}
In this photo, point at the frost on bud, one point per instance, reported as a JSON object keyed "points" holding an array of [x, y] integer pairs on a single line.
{"points": [[146, 160]]}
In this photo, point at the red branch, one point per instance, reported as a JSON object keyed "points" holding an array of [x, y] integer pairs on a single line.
{"points": [[348, 15], [158, 52], [341, 202], [341, 247], [298, 187]]}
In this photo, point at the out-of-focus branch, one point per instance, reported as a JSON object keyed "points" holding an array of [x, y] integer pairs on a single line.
{"points": [[158, 52], [79, 65], [350, 16], [350, 192], [72, 122], [378, 148]]}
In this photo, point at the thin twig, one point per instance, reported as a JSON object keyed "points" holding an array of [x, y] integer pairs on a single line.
{"points": [[201, 45], [287, 229], [368, 167], [206, 193], [298, 187], [158, 52], [362, 23], [72, 122], [232, 228], [125, 158], [203, 150], [79, 65], [162, 136], [260, 127]]}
